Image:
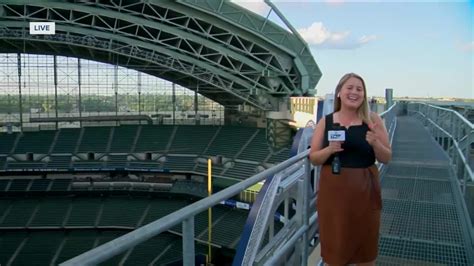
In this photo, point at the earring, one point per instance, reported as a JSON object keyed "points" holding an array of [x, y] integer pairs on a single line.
{"points": [[338, 95]]}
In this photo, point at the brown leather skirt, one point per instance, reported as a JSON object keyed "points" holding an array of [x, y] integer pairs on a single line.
{"points": [[349, 206]]}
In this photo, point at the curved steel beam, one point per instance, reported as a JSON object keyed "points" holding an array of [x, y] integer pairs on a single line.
{"points": [[239, 59]]}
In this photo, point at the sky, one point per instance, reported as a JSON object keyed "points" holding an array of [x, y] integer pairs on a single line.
{"points": [[418, 48]]}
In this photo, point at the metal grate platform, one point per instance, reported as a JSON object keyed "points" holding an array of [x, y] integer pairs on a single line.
{"points": [[422, 221], [398, 251]]}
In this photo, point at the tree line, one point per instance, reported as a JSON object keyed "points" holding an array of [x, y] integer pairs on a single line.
{"points": [[100, 103]]}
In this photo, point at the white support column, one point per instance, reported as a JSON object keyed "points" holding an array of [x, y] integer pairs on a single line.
{"points": [[188, 241]]}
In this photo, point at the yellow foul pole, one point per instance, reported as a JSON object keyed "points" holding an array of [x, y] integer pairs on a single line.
{"points": [[209, 211]]}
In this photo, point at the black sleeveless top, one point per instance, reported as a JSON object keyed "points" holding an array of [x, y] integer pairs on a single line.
{"points": [[357, 151]]}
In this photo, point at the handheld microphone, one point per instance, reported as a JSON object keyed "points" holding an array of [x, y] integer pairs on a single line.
{"points": [[338, 133]]}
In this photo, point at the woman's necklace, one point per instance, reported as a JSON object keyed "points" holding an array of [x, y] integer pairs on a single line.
{"points": [[348, 123]]}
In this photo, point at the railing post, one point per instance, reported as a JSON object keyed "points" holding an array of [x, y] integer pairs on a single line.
{"points": [[306, 191], [470, 139], [451, 141], [456, 129], [464, 183], [467, 154], [300, 212], [188, 241]]}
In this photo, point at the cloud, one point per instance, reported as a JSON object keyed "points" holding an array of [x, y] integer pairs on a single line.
{"points": [[467, 47], [258, 7], [319, 36], [366, 39], [334, 2]]}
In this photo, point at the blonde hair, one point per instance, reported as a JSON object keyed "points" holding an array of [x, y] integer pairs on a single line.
{"points": [[363, 110]]}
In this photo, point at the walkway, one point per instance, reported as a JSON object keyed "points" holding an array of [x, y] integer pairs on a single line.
{"points": [[423, 221]]}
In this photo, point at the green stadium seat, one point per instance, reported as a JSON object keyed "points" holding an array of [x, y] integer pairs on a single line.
{"points": [[160, 208], [230, 141], [67, 140], [190, 187], [107, 236], [174, 252], [9, 243], [257, 150], [123, 138], [145, 164], [35, 142], [51, 212], [117, 161], [76, 243], [61, 184], [241, 170], [4, 204], [145, 253], [6, 142], [39, 249], [202, 169], [19, 213], [4, 183], [279, 156], [175, 163], [95, 164], [84, 211], [3, 160], [113, 213], [59, 162], [192, 139], [24, 165], [40, 184], [154, 138], [19, 184], [95, 139], [228, 230]]}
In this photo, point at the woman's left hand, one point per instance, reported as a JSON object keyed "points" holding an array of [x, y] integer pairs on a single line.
{"points": [[373, 134], [377, 137]]}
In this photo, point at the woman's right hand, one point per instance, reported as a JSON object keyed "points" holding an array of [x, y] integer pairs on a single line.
{"points": [[319, 154], [335, 146]]}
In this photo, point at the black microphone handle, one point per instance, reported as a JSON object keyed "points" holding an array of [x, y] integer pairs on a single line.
{"points": [[336, 164]]}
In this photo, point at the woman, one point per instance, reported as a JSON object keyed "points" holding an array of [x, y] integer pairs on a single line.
{"points": [[349, 203]]}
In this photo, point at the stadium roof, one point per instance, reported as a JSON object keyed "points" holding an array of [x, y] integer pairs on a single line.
{"points": [[225, 52]]}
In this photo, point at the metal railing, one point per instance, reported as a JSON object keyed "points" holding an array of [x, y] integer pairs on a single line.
{"points": [[184, 216], [290, 244], [389, 117], [454, 133]]}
